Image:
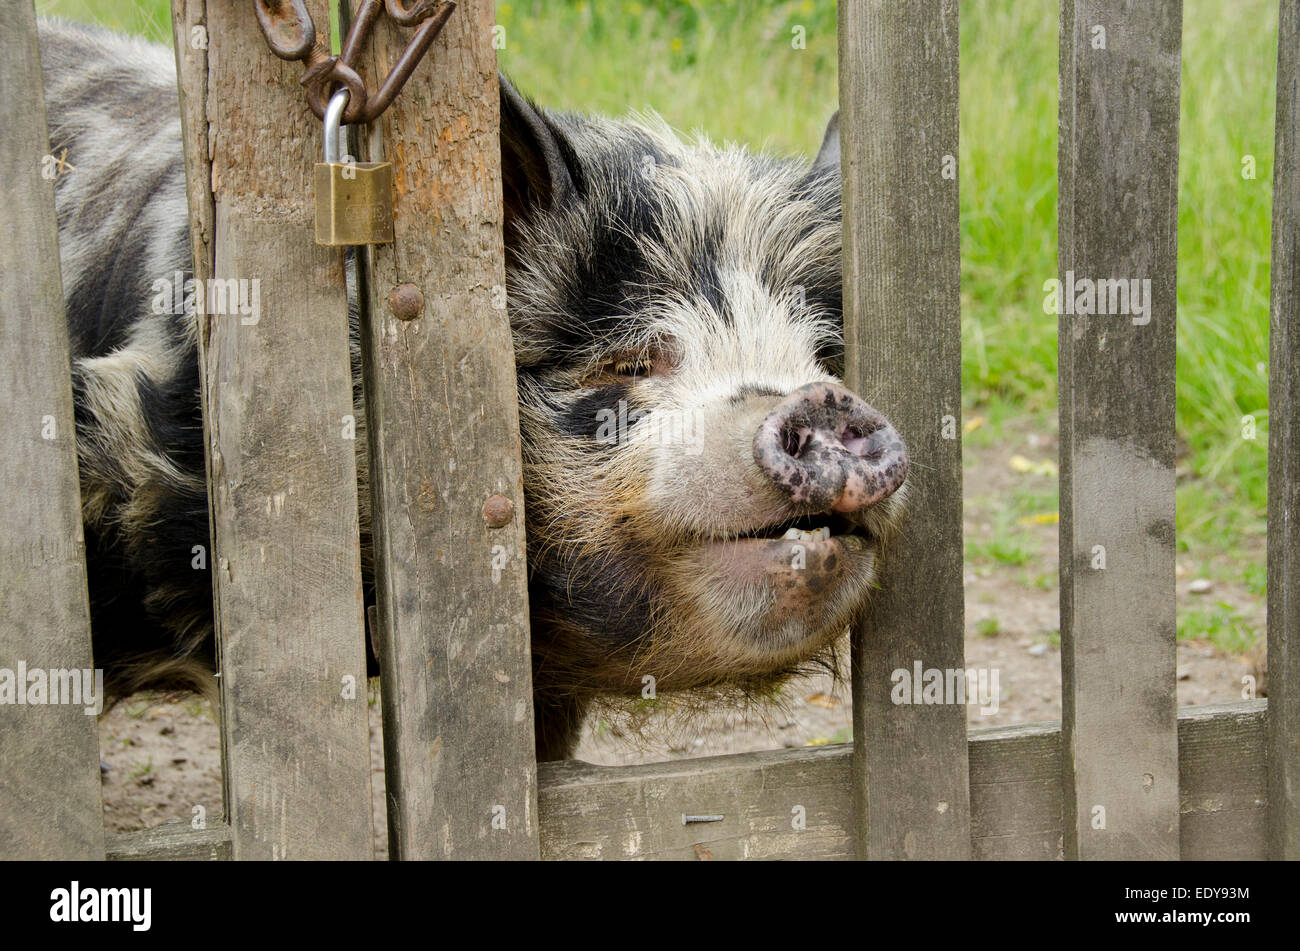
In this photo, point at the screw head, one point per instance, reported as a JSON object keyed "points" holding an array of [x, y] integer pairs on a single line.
{"points": [[498, 511], [406, 302]]}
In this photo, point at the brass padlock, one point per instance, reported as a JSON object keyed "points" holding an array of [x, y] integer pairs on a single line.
{"points": [[354, 200]]}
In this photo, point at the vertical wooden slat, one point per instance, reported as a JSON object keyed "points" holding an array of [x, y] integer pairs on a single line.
{"points": [[277, 396], [444, 432], [1284, 456], [1119, 87], [50, 805], [902, 317]]}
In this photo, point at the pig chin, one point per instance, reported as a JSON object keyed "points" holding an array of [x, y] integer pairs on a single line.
{"points": [[776, 601]]}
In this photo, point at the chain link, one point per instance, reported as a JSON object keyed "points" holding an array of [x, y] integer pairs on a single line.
{"points": [[291, 35]]}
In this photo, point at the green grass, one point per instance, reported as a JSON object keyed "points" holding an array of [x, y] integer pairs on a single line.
{"points": [[1008, 161], [730, 67], [1221, 625], [151, 18], [1007, 545], [724, 66]]}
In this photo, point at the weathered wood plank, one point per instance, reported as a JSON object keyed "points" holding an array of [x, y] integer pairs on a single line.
{"points": [[1015, 792], [791, 804], [444, 434], [1223, 777], [1284, 454], [50, 806], [1119, 86], [173, 841], [277, 397], [635, 812], [902, 323], [190, 42]]}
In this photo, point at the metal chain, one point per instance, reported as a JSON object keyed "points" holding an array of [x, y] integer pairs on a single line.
{"points": [[291, 35]]}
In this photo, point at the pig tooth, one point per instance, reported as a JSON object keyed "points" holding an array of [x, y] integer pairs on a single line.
{"points": [[806, 537], [791, 534], [824, 533]]}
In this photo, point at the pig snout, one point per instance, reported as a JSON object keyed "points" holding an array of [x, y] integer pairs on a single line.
{"points": [[827, 449]]}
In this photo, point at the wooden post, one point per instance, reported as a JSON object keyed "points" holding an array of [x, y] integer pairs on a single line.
{"points": [[277, 400], [1284, 457], [902, 325], [444, 436], [50, 806], [1119, 85]]}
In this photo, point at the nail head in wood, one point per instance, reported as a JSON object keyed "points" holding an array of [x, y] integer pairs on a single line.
{"points": [[406, 302], [498, 511]]}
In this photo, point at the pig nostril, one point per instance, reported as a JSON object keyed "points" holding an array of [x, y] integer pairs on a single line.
{"points": [[853, 440], [792, 442], [828, 450]]}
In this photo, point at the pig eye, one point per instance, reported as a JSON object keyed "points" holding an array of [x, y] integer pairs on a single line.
{"points": [[624, 367], [642, 366]]}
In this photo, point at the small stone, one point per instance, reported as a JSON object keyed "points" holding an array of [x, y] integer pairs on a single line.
{"points": [[1200, 586], [1038, 650], [1184, 673]]}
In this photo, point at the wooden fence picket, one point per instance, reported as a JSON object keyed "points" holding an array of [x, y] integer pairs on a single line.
{"points": [[1119, 82], [902, 335], [50, 804]]}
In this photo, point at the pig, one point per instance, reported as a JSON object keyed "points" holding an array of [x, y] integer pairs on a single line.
{"points": [[706, 501]]}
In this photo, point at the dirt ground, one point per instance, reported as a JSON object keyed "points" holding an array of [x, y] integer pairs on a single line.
{"points": [[162, 760]]}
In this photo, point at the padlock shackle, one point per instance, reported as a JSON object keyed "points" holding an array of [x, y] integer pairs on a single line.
{"points": [[333, 117]]}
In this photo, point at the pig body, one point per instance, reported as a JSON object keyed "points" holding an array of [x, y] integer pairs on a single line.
{"points": [[705, 501]]}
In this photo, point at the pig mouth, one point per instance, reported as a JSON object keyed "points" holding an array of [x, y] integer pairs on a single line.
{"points": [[821, 527], [784, 589]]}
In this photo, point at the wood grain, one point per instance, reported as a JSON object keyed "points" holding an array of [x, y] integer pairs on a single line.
{"points": [[173, 841], [1284, 455], [444, 436], [1118, 220], [902, 326], [277, 394], [50, 806], [1223, 777]]}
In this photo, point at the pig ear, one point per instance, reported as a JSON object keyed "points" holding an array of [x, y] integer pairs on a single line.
{"points": [[534, 171], [828, 156]]}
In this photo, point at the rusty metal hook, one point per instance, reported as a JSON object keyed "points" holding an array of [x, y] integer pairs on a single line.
{"points": [[287, 26], [422, 10], [321, 77]]}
